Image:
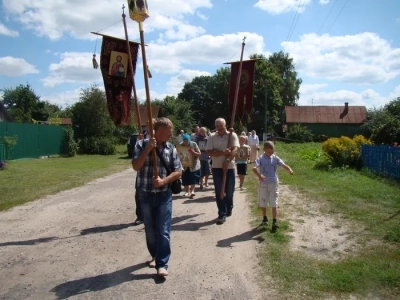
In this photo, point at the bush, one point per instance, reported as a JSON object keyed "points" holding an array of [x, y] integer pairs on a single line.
{"points": [[98, 145], [70, 146], [122, 133], [345, 151], [299, 133]]}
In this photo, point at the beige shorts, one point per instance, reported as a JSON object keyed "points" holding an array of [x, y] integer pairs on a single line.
{"points": [[268, 195]]}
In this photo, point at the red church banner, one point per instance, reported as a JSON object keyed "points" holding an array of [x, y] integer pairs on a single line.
{"points": [[118, 77], [246, 87]]}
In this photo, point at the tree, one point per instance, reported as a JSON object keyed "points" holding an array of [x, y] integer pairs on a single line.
{"points": [[22, 103], [208, 97], [276, 75], [90, 115], [383, 124], [179, 112]]}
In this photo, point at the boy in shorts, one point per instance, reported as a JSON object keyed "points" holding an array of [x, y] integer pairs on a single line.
{"points": [[265, 167], [242, 156]]}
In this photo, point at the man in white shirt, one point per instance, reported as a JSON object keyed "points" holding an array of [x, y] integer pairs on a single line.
{"points": [[223, 156], [180, 136], [254, 144]]}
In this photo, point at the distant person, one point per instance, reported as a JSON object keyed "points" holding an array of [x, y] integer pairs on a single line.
{"points": [[223, 155], [265, 167], [191, 175], [180, 136], [155, 194], [241, 159], [204, 158], [195, 133], [254, 144]]}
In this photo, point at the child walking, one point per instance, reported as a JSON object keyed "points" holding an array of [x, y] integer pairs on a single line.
{"points": [[265, 167], [242, 156]]}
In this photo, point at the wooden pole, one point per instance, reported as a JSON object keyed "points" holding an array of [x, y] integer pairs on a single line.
{"points": [[146, 85], [128, 47], [239, 75]]}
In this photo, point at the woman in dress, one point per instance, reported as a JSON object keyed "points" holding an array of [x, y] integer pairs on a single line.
{"points": [[191, 175]]}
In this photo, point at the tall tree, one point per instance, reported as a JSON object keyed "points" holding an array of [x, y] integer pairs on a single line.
{"points": [[22, 103], [90, 115], [208, 97]]}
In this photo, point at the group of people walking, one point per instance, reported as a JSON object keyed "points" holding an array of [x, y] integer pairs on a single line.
{"points": [[224, 150]]}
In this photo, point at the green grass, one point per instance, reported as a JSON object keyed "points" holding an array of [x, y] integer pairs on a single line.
{"points": [[370, 203], [28, 180]]}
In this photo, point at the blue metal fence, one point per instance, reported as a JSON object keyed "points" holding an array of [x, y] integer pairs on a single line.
{"points": [[382, 160]]}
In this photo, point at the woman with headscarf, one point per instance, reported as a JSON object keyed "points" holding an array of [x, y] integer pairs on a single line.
{"points": [[191, 175]]}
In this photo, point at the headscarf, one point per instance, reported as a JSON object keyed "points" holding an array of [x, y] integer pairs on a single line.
{"points": [[186, 137]]}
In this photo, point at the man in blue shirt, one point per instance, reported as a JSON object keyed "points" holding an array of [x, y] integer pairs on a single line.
{"points": [[155, 194]]}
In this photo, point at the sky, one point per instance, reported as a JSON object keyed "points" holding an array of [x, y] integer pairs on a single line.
{"points": [[343, 50]]}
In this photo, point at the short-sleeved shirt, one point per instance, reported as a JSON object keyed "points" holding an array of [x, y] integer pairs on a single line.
{"points": [[268, 167], [239, 161], [220, 143], [145, 175]]}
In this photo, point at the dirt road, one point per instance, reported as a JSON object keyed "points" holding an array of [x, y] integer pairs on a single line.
{"points": [[81, 244]]}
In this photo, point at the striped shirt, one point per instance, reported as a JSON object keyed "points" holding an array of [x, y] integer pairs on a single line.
{"points": [[145, 175]]}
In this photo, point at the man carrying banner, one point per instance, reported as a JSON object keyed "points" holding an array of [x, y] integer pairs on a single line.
{"points": [[155, 194]]}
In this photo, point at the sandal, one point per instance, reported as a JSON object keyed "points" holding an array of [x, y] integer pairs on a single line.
{"points": [[192, 195], [186, 194]]}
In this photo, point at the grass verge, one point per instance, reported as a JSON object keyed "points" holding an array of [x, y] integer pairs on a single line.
{"points": [[28, 180], [371, 203]]}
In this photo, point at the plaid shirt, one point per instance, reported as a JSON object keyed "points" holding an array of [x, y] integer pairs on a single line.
{"points": [[144, 178]]}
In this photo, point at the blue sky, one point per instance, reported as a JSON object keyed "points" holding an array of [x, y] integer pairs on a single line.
{"points": [[344, 50]]}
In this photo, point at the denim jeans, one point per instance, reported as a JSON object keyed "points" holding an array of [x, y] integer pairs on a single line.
{"points": [[225, 204], [157, 215], [139, 214]]}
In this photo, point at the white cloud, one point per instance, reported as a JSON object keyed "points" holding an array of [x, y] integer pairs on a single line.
{"points": [[14, 66], [63, 99], [323, 2], [176, 83], [8, 32], [54, 19], [73, 67], [363, 58], [201, 16], [313, 94], [396, 93], [277, 7], [141, 93], [170, 57]]}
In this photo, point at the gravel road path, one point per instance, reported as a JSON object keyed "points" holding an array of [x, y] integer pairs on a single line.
{"points": [[81, 244]]}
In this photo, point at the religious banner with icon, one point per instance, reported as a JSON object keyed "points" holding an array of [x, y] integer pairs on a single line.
{"points": [[202, 145], [246, 87], [118, 77], [185, 156]]}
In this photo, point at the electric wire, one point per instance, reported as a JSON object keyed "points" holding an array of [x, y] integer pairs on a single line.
{"points": [[337, 17], [327, 16]]}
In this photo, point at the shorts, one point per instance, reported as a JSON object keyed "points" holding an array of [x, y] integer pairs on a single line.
{"points": [[268, 195], [241, 169]]}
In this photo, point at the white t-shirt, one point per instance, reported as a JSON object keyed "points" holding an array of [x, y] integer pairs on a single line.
{"points": [[253, 140], [220, 143]]}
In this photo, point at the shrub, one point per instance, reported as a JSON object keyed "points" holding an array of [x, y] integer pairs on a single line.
{"points": [[299, 133], [345, 151], [70, 146], [98, 145]]}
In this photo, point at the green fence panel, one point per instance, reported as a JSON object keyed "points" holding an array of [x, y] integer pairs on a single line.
{"points": [[2, 152], [33, 140]]}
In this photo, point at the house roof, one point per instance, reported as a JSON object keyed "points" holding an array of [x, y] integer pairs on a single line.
{"points": [[326, 114], [65, 121], [7, 117], [143, 114]]}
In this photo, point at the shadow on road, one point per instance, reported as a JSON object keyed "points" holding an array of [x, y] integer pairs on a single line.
{"points": [[192, 226], [244, 237], [207, 199], [102, 229], [102, 282], [29, 242]]}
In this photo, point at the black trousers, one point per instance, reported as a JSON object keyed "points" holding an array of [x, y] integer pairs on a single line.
{"points": [[139, 214]]}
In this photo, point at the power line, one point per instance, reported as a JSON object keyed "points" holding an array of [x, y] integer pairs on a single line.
{"points": [[337, 16], [295, 20], [327, 16]]}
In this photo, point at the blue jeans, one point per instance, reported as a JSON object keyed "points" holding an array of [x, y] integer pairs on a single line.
{"points": [[157, 215], [225, 204]]}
